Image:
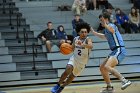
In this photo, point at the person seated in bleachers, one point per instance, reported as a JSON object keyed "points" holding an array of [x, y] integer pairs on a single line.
{"points": [[79, 7], [76, 21], [134, 20], [91, 4], [103, 3], [122, 20], [137, 4], [62, 35], [49, 37]]}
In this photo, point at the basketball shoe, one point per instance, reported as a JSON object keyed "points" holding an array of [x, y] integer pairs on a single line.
{"points": [[125, 84], [55, 88], [59, 90]]}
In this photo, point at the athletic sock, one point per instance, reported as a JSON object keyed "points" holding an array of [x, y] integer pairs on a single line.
{"points": [[123, 79], [109, 85]]}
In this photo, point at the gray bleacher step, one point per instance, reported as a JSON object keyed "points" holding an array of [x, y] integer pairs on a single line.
{"points": [[44, 20], [42, 74], [95, 70], [4, 50], [10, 76], [38, 9], [7, 5], [21, 50], [6, 10], [29, 57], [6, 58], [63, 63], [124, 8], [7, 16], [119, 2], [12, 35], [122, 4], [8, 29], [33, 4], [97, 61], [25, 82], [38, 64], [2, 43], [4, 22], [29, 13], [13, 27], [1, 1], [62, 2], [104, 45], [126, 37], [40, 27], [94, 54], [7, 67], [104, 53], [54, 80], [57, 56], [15, 42]]}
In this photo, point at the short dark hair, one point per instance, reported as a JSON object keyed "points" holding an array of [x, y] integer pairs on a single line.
{"points": [[100, 16], [82, 26], [49, 22], [106, 15]]}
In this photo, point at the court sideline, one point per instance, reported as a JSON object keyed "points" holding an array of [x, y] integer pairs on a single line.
{"points": [[81, 87]]}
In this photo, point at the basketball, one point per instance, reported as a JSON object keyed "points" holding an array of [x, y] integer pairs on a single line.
{"points": [[66, 48]]}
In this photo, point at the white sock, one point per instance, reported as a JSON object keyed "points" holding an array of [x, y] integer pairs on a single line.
{"points": [[123, 79], [109, 84]]}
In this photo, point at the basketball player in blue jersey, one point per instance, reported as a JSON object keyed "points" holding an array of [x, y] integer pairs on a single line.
{"points": [[82, 46], [118, 53]]}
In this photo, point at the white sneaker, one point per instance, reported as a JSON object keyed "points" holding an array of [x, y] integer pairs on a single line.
{"points": [[126, 84]]}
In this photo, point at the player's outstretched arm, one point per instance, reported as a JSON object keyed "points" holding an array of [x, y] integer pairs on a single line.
{"points": [[100, 35], [89, 44]]}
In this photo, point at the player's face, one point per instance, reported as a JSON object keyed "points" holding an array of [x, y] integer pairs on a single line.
{"points": [[61, 29], [50, 26], [83, 33]]}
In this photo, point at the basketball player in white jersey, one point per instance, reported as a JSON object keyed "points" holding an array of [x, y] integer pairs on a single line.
{"points": [[82, 46]]}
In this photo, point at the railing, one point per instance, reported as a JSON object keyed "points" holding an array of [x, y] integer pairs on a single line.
{"points": [[3, 7], [25, 40], [10, 14], [18, 25], [34, 52]]}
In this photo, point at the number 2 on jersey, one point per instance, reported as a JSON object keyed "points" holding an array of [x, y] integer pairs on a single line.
{"points": [[79, 52]]}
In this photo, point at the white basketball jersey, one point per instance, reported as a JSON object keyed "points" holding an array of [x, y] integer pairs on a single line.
{"points": [[81, 54]]}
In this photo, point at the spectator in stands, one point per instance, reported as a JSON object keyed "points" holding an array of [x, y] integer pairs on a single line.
{"points": [[82, 46], [122, 20], [103, 3], [137, 4], [91, 4], [113, 18], [61, 35], [134, 20], [49, 36], [79, 7], [76, 21], [116, 44]]}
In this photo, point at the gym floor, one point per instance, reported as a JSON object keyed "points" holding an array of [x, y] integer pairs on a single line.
{"points": [[80, 87]]}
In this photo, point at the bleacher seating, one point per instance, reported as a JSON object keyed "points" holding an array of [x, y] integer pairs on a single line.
{"points": [[16, 66]]}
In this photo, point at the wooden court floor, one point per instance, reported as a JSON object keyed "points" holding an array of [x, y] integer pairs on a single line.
{"points": [[83, 87]]}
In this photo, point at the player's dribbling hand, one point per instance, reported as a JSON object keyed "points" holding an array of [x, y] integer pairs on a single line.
{"points": [[79, 42]]}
